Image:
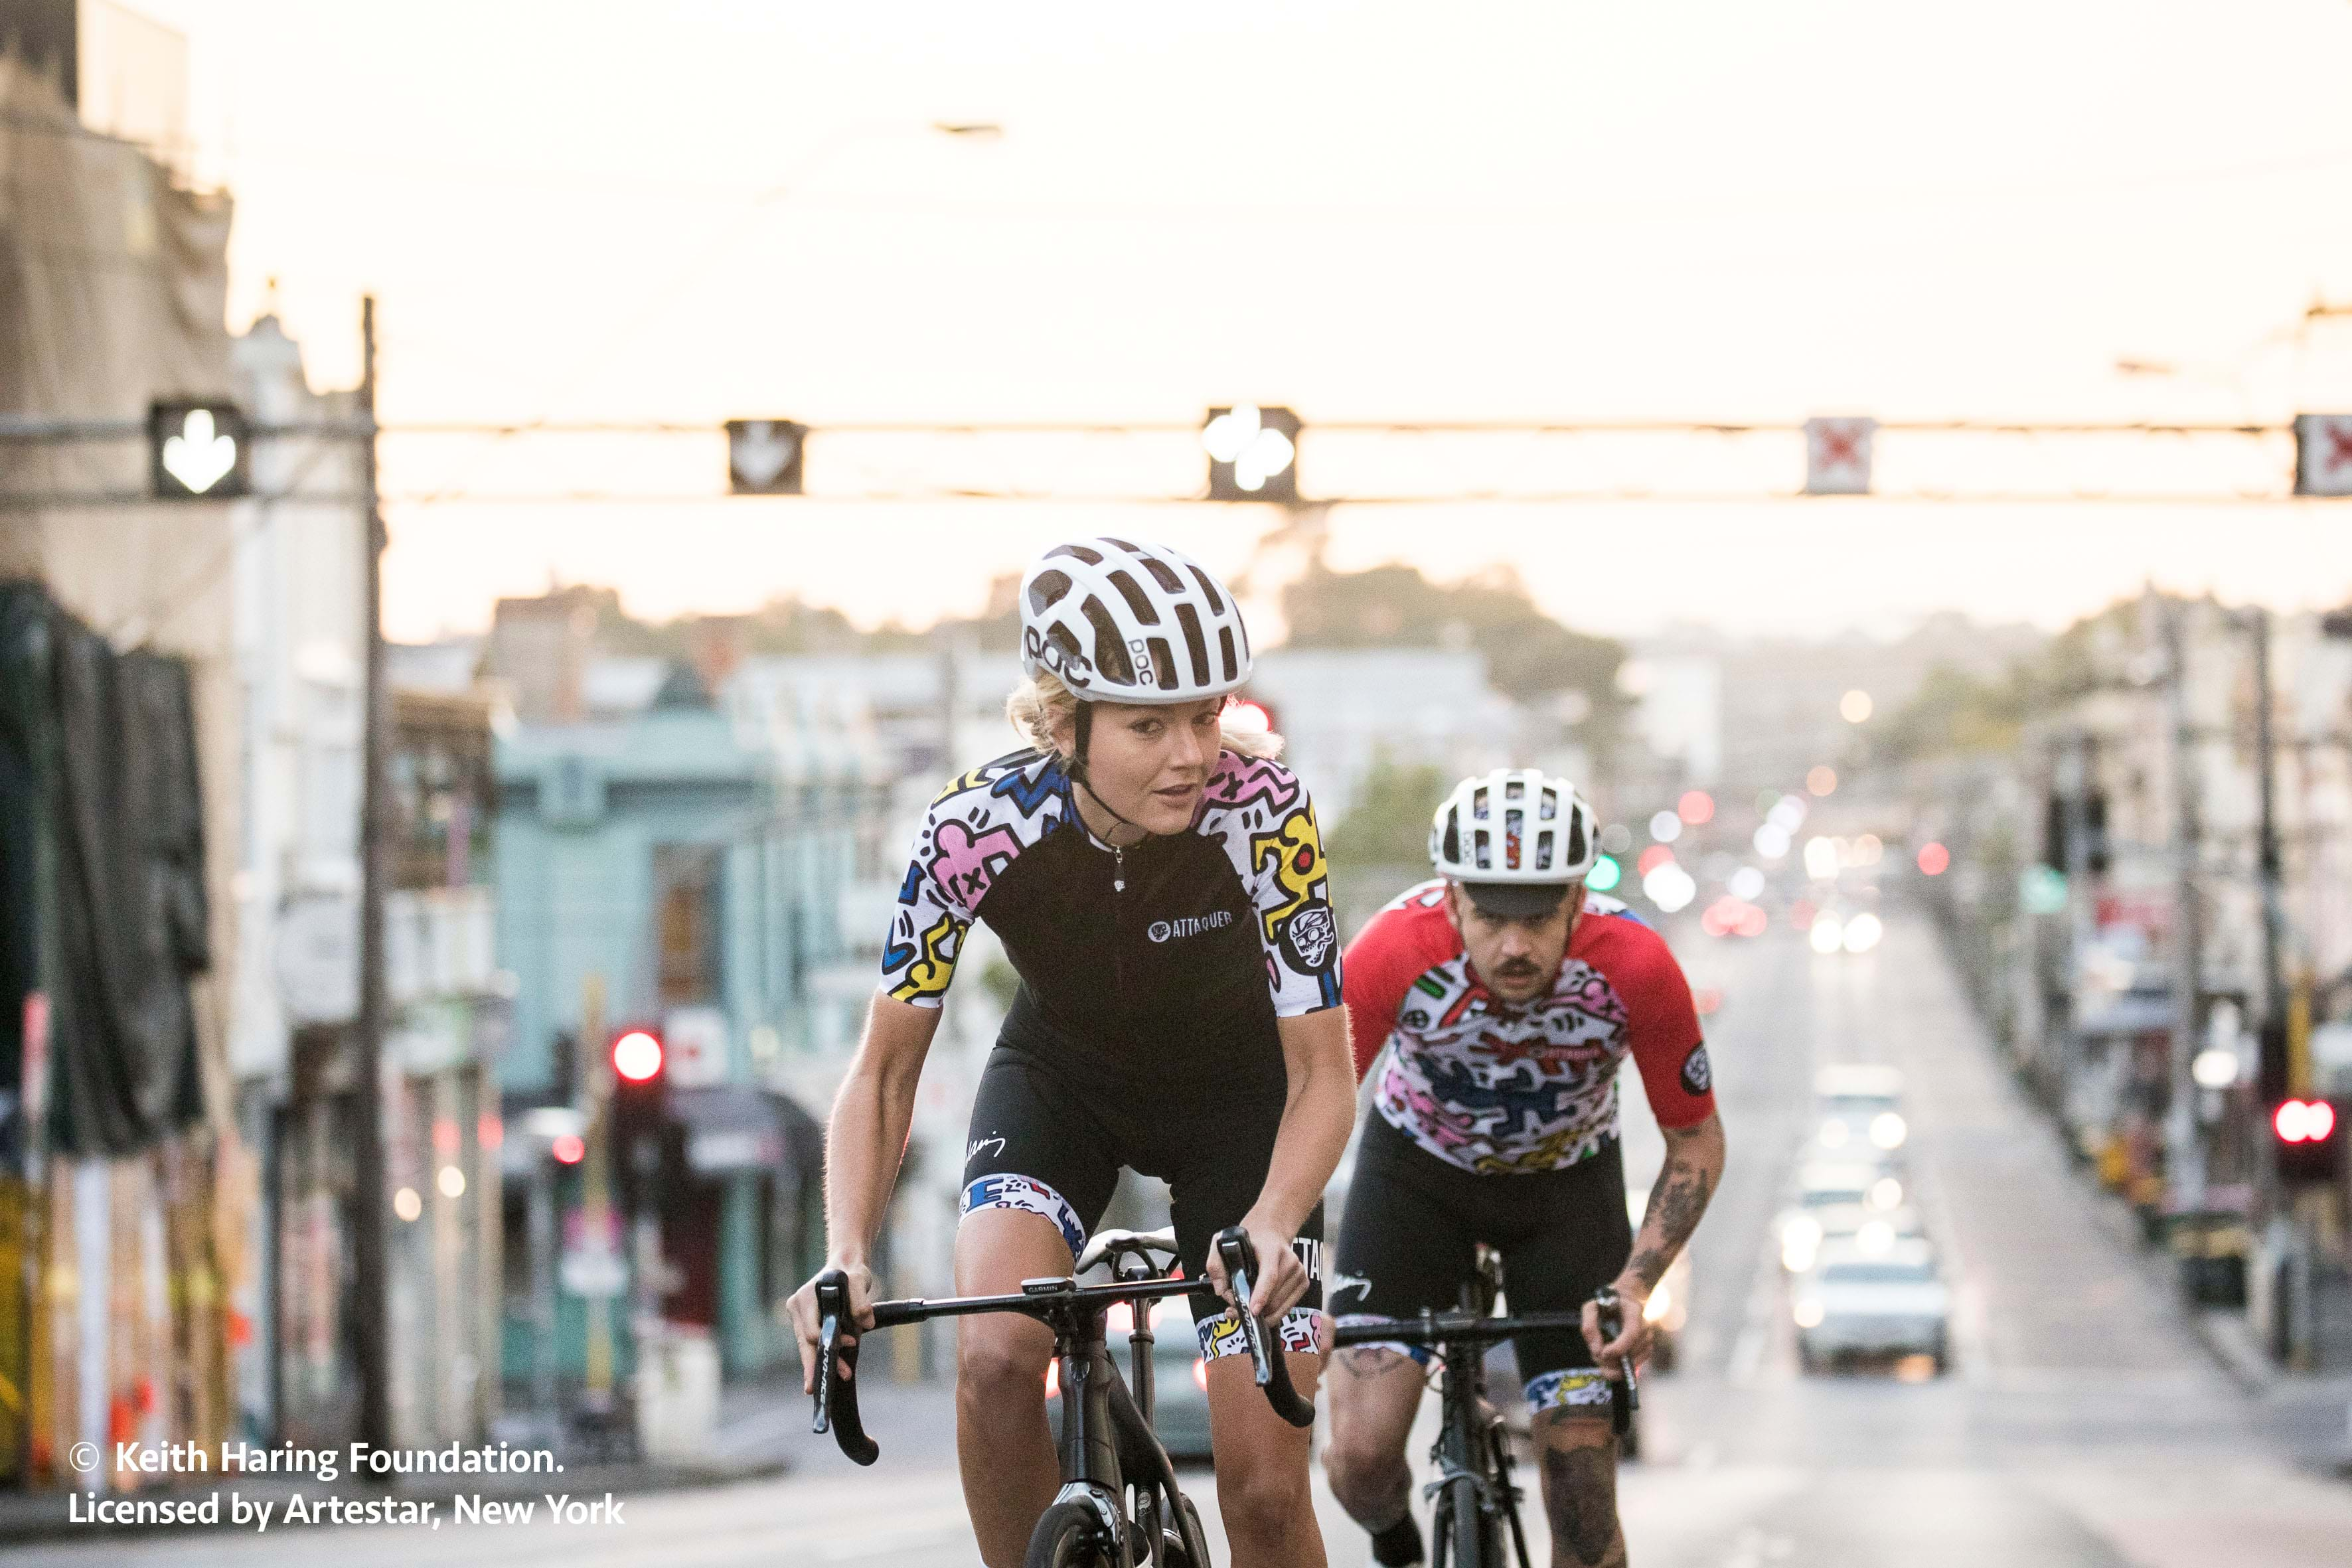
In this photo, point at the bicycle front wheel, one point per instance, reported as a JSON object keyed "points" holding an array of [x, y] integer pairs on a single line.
{"points": [[1069, 1536], [1467, 1530]]}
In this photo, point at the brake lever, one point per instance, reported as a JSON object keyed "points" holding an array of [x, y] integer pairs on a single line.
{"points": [[1625, 1395], [1272, 1370], [836, 1396]]}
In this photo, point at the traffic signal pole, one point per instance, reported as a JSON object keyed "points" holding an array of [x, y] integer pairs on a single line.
{"points": [[595, 1188], [371, 1220]]}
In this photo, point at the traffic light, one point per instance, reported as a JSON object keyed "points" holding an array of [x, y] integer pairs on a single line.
{"points": [[2309, 1142], [1252, 453], [639, 1115]]}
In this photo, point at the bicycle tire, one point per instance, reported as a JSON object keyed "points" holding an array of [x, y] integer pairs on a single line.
{"points": [[1068, 1535], [1470, 1529]]}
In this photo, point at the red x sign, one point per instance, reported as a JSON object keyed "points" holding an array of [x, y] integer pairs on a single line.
{"points": [[1837, 456], [2323, 453]]}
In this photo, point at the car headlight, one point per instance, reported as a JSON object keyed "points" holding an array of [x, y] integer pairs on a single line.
{"points": [[1802, 1230], [1885, 1193], [1888, 1129], [1807, 1313], [1796, 1255], [1874, 1237]]}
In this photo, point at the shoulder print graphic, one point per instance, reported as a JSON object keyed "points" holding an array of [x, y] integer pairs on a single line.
{"points": [[1259, 809], [975, 828]]}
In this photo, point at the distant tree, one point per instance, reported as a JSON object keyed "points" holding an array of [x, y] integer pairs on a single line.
{"points": [[1529, 656], [1388, 822]]}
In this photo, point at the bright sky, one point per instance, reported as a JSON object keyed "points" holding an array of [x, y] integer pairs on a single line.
{"points": [[1719, 211]]}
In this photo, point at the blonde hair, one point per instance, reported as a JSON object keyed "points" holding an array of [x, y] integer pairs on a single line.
{"points": [[1045, 711]]}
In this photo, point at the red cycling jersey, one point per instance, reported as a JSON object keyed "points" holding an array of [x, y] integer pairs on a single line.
{"points": [[1496, 1089]]}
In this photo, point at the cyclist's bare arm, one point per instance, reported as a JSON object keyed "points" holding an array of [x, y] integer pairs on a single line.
{"points": [[1693, 1169], [864, 1141], [1319, 1111]]}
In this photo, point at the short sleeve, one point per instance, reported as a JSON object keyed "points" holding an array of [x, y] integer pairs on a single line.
{"points": [[1663, 1033], [1388, 955], [927, 928], [1291, 888]]}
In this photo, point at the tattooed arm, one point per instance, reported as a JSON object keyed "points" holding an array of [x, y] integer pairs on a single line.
{"points": [[1693, 1169]]}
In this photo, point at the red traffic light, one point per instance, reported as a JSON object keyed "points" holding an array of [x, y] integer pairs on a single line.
{"points": [[2303, 1120], [637, 1055], [1242, 714]]}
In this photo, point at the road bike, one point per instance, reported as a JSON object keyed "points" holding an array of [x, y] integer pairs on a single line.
{"points": [[1120, 1506], [1477, 1498]]}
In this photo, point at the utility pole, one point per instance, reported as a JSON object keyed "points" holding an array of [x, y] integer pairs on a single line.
{"points": [[2286, 1247], [2184, 1144], [369, 1239]]}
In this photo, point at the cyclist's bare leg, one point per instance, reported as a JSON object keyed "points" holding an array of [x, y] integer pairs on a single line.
{"points": [[1375, 1394], [1262, 1485], [1576, 1453], [1004, 1446]]}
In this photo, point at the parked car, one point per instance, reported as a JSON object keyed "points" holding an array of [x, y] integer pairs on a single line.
{"points": [[1179, 1379], [1860, 1301]]}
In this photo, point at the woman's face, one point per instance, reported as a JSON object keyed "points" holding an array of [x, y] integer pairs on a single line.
{"points": [[1149, 765]]}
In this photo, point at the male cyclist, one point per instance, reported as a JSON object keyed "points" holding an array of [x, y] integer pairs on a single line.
{"points": [[1497, 1001], [1159, 886]]}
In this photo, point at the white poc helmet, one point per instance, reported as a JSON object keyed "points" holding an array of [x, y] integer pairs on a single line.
{"points": [[1515, 828], [1130, 623]]}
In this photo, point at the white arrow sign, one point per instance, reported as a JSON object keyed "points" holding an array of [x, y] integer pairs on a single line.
{"points": [[760, 455], [200, 454]]}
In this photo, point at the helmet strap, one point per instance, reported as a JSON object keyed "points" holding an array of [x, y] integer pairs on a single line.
{"points": [[1078, 770]]}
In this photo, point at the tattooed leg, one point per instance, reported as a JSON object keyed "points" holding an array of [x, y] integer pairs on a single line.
{"points": [[1580, 1490]]}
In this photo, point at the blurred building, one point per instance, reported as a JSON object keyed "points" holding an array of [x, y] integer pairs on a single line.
{"points": [[2105, 892], [685, 859], [120, 1173]]}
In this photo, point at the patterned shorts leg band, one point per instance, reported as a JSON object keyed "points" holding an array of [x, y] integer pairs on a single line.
{"points": [[1576, 1388], [1029, 1195], [1301, 1330]]}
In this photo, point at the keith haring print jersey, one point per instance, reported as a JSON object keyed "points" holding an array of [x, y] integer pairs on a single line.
{"points": [[1496, 1089], [1229, 922]]}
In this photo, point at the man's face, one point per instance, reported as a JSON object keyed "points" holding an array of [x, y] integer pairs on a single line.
{"points": [[1516, 959]]}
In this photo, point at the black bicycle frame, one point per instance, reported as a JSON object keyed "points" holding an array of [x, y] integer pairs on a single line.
{"points": [[1466, 1451], [1107, 1435]]}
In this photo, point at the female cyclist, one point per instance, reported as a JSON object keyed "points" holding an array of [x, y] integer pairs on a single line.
{"points": [[1158, 883]]}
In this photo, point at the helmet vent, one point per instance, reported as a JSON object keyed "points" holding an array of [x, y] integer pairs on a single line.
{"points": [[1047, 589], [1137, 599], [1111, 652], [1163, 664], [1195, 643]]}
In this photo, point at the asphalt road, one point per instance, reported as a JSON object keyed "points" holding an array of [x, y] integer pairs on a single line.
{"points": [[2081, 1423]]}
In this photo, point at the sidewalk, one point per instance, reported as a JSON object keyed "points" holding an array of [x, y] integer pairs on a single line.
{"points": [[2309, 1415]]}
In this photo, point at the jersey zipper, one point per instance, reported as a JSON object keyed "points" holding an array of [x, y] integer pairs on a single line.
{"points": [[1118, 926]]}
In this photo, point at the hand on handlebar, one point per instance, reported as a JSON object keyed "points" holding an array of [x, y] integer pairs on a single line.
{"points": [[1283, 1280], [1629, 1343], [806, 1318]]}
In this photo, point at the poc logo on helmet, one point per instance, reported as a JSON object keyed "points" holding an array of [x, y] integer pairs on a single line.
{"points": [[1191, 925]]}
